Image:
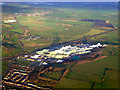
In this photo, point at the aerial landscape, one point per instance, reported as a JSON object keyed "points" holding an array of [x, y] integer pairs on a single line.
{"points": [[51, 45]]}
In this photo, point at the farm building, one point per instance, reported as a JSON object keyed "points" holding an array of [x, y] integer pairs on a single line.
{"points": [[9, 21]]}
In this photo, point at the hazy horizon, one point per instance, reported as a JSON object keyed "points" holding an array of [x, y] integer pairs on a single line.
{"points": [[60, 1]]}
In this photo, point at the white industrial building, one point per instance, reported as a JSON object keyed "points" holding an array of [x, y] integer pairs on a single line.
{"points": [[64, 52]]}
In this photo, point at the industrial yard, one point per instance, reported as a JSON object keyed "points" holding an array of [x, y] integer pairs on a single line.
{"points": [[59, 53]]}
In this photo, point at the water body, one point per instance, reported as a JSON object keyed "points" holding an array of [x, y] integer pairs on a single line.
{"points": [[75, 57]]}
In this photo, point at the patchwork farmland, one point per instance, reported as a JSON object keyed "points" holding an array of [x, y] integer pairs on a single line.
{"points": [[60, 45]]}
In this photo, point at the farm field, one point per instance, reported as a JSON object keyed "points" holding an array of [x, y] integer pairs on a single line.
{"points": [[107, 62], [94, 31], [70, 83], [92, 72], [83, 76], [54, 75], [110, 38], [57, 72], [53, 29], [17, 30]]}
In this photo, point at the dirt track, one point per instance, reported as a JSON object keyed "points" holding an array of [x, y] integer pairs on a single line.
{"points": [[100, 58], [65, 73], [82, 62]]}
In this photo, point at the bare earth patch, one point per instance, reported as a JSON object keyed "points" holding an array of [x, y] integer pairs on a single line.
{"points": [[35, 44], [48, 27], [82, 62], [105, 27], [63, 24], [104, 15], [42, 25], [100, 58], [71, 20], [86, 61], [65, 73], [41, 29]]}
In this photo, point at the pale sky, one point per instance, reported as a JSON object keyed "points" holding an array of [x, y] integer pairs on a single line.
{"points": [[60, 0]]}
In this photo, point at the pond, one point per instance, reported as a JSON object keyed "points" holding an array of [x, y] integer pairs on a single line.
{"points": [[75, 57]]}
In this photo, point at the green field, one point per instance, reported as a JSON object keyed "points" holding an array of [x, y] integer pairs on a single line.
{"points": [[97, 67], [92, 72], [111, 79], [53, 75], [83, 76], [18, 30], [42, 26], [10, 52], [109, 38], [108, 51], [60, 65], [69, 83], [24, 62]]}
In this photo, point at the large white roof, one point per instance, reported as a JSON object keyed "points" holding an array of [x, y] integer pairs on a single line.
{"points": [[35, 56], [59, 61], [44, 63]]}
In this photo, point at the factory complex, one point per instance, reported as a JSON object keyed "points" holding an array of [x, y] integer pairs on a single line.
{"points": [[59, 53]]}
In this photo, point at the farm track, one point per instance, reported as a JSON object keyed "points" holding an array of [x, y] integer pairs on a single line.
{"points": [[100, 58]]}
